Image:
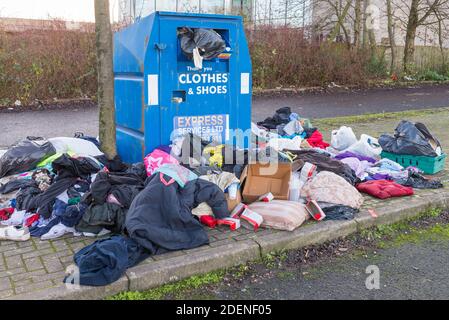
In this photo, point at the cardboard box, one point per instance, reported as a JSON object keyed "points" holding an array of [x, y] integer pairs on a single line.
{"points": [[233, 203], [259, 179]]}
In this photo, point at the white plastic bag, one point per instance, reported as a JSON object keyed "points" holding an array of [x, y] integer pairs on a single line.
{"points": [[366, 146], [280, 144], [76, 145], [343, 138], [197, 59]]}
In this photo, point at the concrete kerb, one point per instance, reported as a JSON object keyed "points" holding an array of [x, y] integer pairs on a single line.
{"points": [[400, 211], [314, 233], [157, 273]]}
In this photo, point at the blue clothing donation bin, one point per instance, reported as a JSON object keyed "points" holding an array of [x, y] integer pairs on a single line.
{"points": [[158, 90]]}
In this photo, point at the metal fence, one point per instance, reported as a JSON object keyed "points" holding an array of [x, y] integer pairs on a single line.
{"points": [[134, 9], [291, 13]]}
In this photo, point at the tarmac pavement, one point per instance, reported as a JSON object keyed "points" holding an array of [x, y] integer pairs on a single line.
{"points": [[410, 271]]}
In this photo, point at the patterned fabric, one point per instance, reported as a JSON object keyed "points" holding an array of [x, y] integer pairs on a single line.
{"points": [[331, 188], [156, 159], [281, 214], [177, 172]]}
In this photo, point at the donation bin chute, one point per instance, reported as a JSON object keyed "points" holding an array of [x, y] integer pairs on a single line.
{"points": [[159, 90]]}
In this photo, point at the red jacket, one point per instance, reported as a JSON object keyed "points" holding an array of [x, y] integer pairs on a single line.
{"points": [[316, 140]]}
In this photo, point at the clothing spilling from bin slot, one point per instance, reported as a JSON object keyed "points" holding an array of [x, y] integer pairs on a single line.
{"points": [[58, 186]]}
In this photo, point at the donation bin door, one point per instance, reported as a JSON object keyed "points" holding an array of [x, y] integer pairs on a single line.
{"points": [[200, 101]]}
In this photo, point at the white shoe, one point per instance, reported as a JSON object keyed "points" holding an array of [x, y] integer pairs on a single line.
{"points": [[14, 233], [94, 235], [57, 231]]}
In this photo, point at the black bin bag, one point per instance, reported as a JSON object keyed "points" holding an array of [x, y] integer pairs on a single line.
{"points": [[25, 155], [208, 41], [410, 139]]}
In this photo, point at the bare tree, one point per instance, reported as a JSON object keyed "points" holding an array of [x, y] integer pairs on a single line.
{"points": [[341, 12], [442, 17], [365, 39], [419, 13], [368, 27], [357, 22], [339, 19], [391, 36], [105, 78]]}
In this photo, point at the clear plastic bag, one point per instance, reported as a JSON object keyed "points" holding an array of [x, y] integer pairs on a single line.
{"points": [[367, 146]]}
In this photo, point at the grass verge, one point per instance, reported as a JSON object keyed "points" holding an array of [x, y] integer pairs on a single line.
{"points": [[173, 290], [366, 118]]}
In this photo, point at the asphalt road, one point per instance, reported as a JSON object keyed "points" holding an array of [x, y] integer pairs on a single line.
{"points": [[411, 271], [51, 123], [346, 103]]}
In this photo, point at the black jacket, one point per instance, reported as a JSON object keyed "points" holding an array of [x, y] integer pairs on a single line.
{"points": [[124, 186], [160, 217]]}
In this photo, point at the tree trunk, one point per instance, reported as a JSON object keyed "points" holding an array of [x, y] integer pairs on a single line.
{"points": [[357, 22], [441, 40], [372, 43], [347, 37], [365, 29], [286, 13], [370, 31], [341, 19], [105, 78], [391, 37], [412, 25]]}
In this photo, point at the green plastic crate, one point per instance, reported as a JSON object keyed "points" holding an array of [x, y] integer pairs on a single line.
{"points": [[430, 165]]}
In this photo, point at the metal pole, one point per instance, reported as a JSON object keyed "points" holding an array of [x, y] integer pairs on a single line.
{"points": [[255, 13], [285, 16], [303, 15], [134, 8], [270, 14]]}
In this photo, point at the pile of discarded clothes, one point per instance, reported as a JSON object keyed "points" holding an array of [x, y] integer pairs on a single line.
{"points": [[357, 161], [50, 188]]}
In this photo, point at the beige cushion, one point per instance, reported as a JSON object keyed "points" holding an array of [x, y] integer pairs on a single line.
{"points": [[281, 214]]}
